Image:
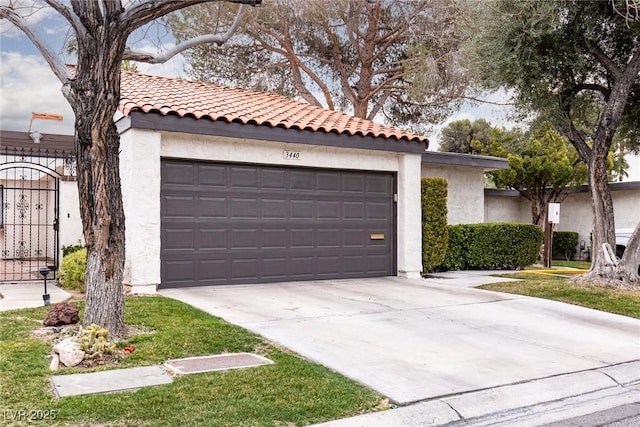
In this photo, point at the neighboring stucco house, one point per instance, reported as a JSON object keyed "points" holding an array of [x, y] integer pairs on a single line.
{"points": [[575, 211], [39, 211], [465, 177]]}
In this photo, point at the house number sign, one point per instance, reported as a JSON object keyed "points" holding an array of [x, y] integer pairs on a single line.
{"points": [[291, 155]]}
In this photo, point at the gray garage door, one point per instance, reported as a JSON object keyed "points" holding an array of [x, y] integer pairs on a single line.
{"points": [[235, 224]]}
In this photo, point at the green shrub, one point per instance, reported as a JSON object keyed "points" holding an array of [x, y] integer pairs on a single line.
{"points": [[67, 250], [564, 245], [492, 246], [435, 235], [74, 266]]}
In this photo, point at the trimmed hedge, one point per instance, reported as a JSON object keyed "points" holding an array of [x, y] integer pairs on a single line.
{"points": [[565, 244], [435, 235], [492, 246]]}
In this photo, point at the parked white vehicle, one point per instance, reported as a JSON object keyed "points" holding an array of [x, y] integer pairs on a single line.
{"points": [[622, 239]]}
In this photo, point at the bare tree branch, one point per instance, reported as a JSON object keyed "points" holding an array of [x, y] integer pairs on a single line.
{"points": [[631, 10], [145, 12], [71, 17], [187, 44], [57, 66]]}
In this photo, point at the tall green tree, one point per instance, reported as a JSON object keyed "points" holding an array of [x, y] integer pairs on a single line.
{"points": [[101, 29], [397, 59], [544, 167], [456, 137], [566, 60]]}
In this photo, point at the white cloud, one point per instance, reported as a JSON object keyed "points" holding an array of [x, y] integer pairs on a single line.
{"points": [[28, 85]]}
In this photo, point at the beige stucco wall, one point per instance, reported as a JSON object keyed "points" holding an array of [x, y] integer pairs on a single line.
{"points": [[465, 201], [575, 211], [142, 150], [506, 208], [70, 221]]}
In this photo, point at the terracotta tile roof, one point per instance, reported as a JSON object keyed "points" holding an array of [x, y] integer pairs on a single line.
{"points": [[170, 96]]}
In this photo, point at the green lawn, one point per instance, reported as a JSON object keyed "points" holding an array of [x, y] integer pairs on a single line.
{"points": [[557, 288], [583, 265], [293, 391]]}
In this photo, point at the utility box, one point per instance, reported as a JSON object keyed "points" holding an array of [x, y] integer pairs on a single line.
{"points": [[553, 215]]}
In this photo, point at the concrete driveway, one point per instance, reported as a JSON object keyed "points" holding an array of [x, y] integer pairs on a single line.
{"points": [[415, 340]]}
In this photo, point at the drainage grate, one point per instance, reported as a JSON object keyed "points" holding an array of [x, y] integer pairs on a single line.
{"points": [[220, 362]]}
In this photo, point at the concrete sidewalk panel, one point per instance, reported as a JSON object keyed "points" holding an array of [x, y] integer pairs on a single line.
{"points": [[109, 381], [433, 413], [508, 398], [624, 374]]}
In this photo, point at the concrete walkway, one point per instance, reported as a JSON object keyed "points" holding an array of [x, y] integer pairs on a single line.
{"points": [[435, 343], [29, 294]]}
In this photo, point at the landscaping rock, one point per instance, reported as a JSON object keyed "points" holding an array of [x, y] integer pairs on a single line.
{"points": [[69, 352], [55, 362], [62, 314]]}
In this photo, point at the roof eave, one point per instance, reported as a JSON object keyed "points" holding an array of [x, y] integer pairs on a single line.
{"points": [[486, 163], [173, 123]]}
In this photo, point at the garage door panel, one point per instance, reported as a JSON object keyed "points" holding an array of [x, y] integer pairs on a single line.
{"points": [[354, 264], [275, 208], [302, 267], [328, 265], [179, 207], [213, 238], [244, 208], [275, 268], [328, 210], [243, 177], [302, 238], [213, 270], [302, 209], [178, 174], [212, 207], [244, 238], [328, 182], [353, 184], [329, 238], [180, 271], [244, 269], [378, 211], [212, 175], [275, 238], [179, 238], [353, 210], [275, 179], [354, 237], [235, 224], [302, 180]]}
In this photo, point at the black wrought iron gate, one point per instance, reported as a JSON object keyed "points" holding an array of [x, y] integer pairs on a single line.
{"points": [[29, 200]]}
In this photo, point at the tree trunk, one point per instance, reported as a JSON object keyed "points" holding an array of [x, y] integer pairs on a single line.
{"points": [[603, 219], [94, 95]]}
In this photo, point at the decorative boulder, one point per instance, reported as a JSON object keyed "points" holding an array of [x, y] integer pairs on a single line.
{"points": [[62, 314], [69, 352]]}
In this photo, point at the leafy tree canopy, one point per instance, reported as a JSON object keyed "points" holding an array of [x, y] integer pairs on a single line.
{"points": [[398, 59], [577, 65], [543, 165], [560, 57], [456, 137]]}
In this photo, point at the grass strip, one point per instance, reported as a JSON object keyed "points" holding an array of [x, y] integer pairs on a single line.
{"points": [[293, 391], [618, 301]]}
